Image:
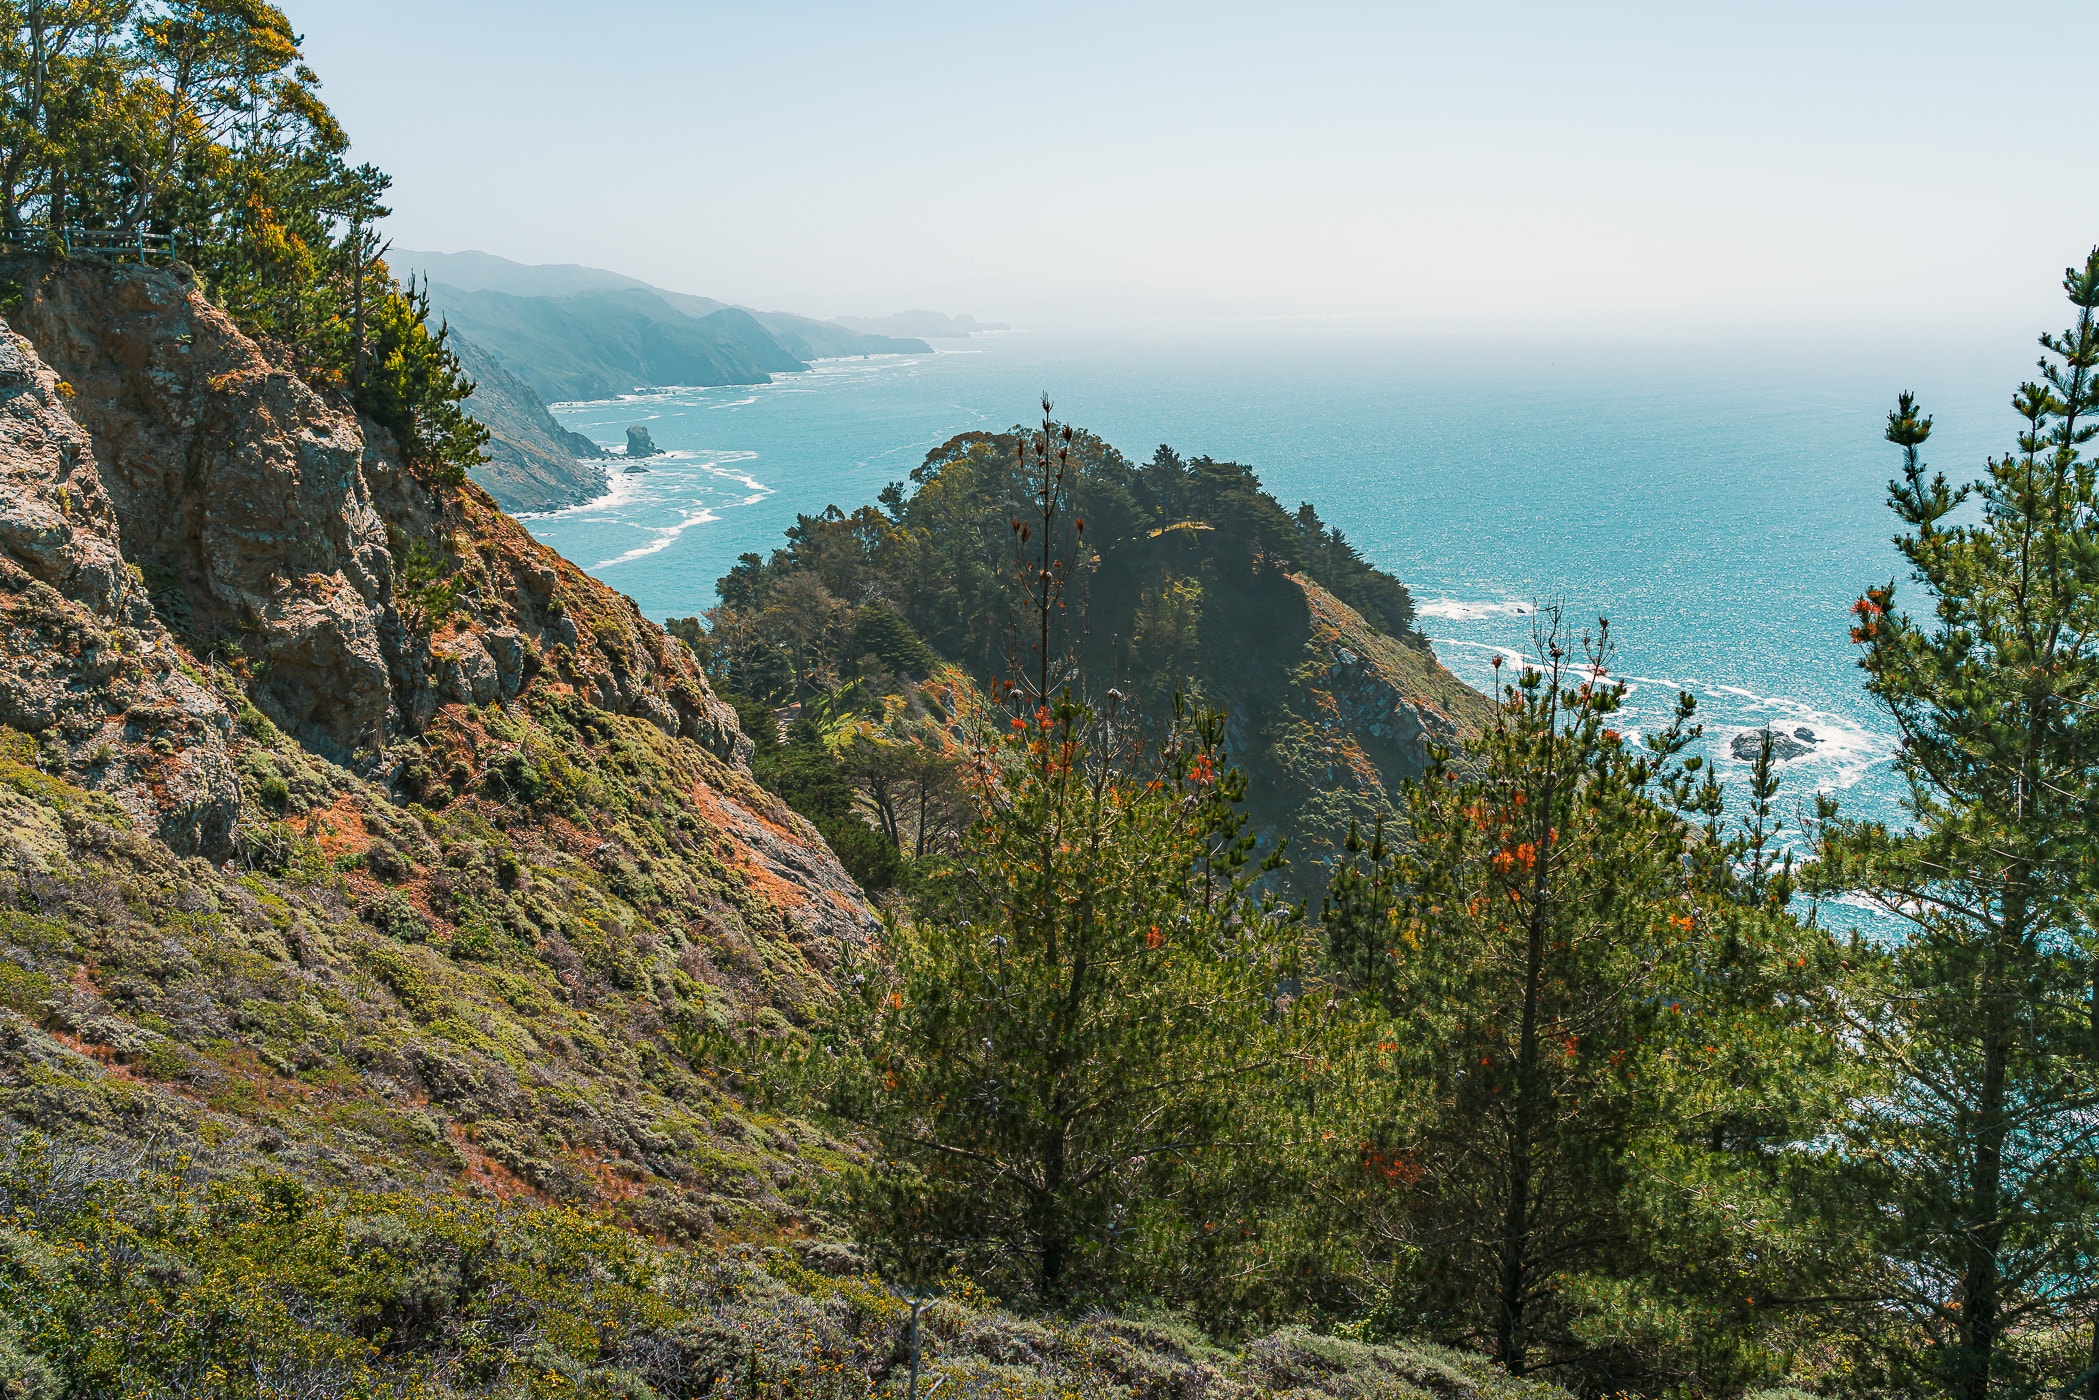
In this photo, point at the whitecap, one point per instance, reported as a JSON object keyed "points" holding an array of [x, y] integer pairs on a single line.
{"points": [[1467, 610], [665, 537]]}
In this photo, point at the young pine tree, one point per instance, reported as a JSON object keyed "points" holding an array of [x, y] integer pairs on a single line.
{"points": [[1089, 1003], [1975, 1164], [1587, 1063]]}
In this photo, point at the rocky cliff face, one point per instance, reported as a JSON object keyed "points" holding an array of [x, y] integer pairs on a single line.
{"points": [[86, 668], [1357, 714], [269, 527], [342, 820]]}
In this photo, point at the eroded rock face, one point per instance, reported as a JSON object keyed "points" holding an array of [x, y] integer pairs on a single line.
{"points": [[184, 492], [271, 525], [499, 853], [85, 665], [240, 492]]}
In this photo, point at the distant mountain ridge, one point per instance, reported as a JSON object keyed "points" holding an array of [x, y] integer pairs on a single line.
{"points": [[602, 343], [575, 332], [530, 335]]}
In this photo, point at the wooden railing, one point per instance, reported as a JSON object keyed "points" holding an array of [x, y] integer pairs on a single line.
{"points": [[120, 244]]}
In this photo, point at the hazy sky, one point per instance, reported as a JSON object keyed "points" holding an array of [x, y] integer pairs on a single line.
{"points": [[1815, 162]]}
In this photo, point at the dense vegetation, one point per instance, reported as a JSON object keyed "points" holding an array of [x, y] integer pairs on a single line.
{"points": [[1179, 578], [192, 129]]}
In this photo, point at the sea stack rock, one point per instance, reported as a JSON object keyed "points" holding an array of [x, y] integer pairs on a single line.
{"points": [[1784, 746], [639, 443]]}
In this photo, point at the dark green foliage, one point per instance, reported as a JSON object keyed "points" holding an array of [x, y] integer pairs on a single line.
{"points": [[1088, 1013], [193, 130], [806, 773], [1181, 578], [1588, 1052], [756, 719], [941, 558], [413, 386], [879, 634], [1974, 1168]]}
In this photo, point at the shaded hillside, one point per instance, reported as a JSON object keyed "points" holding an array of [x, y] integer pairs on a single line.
{"points": [[602, 343], [1187, 578], [455, 274], [534, 463], [344, 826]]}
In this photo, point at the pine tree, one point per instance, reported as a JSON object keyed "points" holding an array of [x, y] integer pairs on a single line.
{"points": [[1590, 1060], [1088, 1002], [1974, 1164]]}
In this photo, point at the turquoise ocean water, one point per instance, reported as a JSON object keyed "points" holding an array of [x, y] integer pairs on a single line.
{"points": [[1721, 501]]}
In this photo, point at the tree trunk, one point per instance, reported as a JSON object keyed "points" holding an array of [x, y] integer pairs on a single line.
{"points": [[1980, 1272], [1053, 1243], [1510, 1342]]}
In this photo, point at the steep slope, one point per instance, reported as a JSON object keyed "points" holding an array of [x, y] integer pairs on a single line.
{"points": [[343, 823], [533, 462], [85, 666], [1329, 740]]}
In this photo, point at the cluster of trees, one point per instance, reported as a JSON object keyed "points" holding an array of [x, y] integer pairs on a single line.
{"points": [[1152, 552], [1559, 1071], [873, 631], [193, 130]]}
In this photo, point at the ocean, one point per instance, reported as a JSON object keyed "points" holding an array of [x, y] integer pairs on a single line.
{"points": [[1721, 499]]}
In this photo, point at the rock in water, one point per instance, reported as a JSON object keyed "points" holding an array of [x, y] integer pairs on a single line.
{"points": [[640, 444], [1783, 746]]}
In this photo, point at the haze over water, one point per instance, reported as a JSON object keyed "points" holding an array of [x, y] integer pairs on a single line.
{"points": [[1722, 503]]}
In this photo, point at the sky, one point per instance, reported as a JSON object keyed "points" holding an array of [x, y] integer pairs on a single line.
{"points": [[1828, 164]]}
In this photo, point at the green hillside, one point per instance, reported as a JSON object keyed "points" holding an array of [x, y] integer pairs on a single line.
{"points": [[533, 462], [1188, 577], [584, 328]]}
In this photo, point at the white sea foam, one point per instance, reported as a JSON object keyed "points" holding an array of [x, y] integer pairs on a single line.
{"points": [[619, 490], [665, 537], [1843, 752], [624, 489], [1470, 610], [1516, 655]]}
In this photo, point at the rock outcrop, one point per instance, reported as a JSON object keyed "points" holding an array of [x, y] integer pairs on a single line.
{"points": [[1785, 746], [86, 668], [640, 444], [271, 527]]}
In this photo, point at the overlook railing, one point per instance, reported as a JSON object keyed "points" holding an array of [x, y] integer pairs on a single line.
{"points": [[67, 241]]}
